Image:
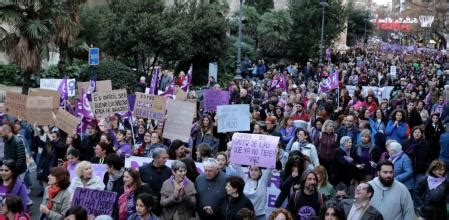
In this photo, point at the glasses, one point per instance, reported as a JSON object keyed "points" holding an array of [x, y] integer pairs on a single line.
{"points": [[341, 197]]}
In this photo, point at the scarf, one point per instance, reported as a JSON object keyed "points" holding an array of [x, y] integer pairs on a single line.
{"points": [[302, 144], [123, 202], [395, 156], [434, 182], [185, 181], [53, 190], [113, 177]]}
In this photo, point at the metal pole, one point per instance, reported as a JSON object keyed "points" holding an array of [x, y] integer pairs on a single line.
{"points": [[239, 44], [322, 35]]}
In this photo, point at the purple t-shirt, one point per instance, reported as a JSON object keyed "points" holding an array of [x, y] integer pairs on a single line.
{"points": [[18, 190]]}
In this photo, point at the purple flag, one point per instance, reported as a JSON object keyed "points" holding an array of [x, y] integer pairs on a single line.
{"points": [[328, 54], [63, 91], [283, 82], [92, 87], [186, 83], [170, 91], [154, 81], [84, 111], [330, 83]]}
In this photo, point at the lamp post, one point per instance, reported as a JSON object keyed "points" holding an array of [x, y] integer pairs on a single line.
{"points": [[238, 72], [323, 4]]}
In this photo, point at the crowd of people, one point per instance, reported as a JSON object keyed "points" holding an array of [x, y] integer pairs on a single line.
{"points": [[341, 154]]}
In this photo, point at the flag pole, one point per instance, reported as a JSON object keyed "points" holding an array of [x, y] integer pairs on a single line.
{"points": [[132, 127]]}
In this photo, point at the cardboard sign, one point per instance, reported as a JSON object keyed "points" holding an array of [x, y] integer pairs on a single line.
{"points": [[39, 110], [53, 84], [233, 118], [254, 149], [96, 202], [47, 93], [15, 104], [106, 103], [393, 70], [180, 95], [149, 106], [214, 98], [66, 121], [179, 120], [100, 86]]}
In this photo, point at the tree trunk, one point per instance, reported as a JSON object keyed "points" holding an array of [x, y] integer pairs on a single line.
{"points": [[26, 77], [63, 50]]}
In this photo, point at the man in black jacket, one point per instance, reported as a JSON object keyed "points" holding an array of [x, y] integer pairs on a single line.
{"points": [[360, 207], [155, 173], [14, 147]]}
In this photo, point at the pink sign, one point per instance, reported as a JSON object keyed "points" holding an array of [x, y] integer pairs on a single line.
{"points": [[254, 149]]}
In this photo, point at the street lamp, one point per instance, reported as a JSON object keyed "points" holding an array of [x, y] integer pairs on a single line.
{"points": [[323, 3], [238, 72]]}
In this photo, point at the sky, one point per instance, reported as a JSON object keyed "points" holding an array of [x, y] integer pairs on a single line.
{"points": [[382, 2]]}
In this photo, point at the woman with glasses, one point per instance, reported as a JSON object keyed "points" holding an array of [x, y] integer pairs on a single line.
{"points": [[151, 141], [178, 194], [10, 184]]}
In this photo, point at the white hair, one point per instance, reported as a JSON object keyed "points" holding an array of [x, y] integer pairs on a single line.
{"points": [[210, 162], [395, 147]]}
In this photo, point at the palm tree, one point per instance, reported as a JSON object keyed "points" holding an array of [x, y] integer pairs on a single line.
{"points": [[67, 28], [26, 33]]}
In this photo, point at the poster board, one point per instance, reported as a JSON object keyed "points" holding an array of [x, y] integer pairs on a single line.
{"points": [[53, 84], [96, 202], [254, 149], [233, 118], [39, 110], [100, 86], [214, 98], [46, 93], [179, 120], [110, 102], [15, 104], [66, 121], [150, 106]]}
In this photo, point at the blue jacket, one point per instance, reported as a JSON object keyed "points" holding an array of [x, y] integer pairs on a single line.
{"points": [[444, 144], [403, 170], [398, 133]]}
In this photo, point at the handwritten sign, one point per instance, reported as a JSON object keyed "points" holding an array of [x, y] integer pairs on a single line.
{"points": [[96, 202], [254, 149], [179, 120], [47, 93], [15, 104], [149, 106], [214, 98], [39, 110], [53, 84], [66, 121], [233, 118], [393, 70], [100, 86], [106, 103]]}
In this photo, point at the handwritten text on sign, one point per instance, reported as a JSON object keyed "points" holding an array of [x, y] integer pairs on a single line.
{"points": [[96, 202], [254, 149], [106, 103], [149, 106], [233, 118]]}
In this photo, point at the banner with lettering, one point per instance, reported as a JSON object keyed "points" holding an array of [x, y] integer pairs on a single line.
{"points": [[149, 106], [106, 103], [53, 84], [233, 118], [254, 149], [214, 98], [96, 202]]}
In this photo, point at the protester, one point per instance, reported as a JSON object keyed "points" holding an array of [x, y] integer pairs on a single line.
{"points": [[403, 170], [418, 149], [326, 144], [192, 171], [204, 134], [431, 192], [133, 186], [360, 207], [346, 162], [433, 130], [280, 214], [236, 198], [397, 128], [101, 150], [331, 211], [287, 130], [72, 157], [10, 184], [56, 199], [222, 159], [177, 150], [211, 192], [444, 143], [178, 194], [306, 201], [12, 209], [389, 191], [85, 178], [14, 148], [76, 213], [152, 140], [324, 186], [303, 144], [144, 204]]}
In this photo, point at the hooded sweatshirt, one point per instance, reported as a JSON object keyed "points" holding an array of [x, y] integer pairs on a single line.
{"points": [[394, 202]]}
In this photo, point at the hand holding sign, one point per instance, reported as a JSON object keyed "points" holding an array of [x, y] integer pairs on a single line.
{"points": [[254, 149]]}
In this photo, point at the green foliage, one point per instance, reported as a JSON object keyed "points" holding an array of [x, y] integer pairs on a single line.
{"points": [[357, 20], [273, 30], [251, 19], [262, 6], [93, 21], [306, 15], [10, 74], [121, 75]]}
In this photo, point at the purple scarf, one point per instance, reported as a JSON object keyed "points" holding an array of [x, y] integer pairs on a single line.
{"points": [[434, 182]]}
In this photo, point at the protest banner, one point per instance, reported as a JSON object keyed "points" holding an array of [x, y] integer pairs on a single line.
{"points": [[66, 121], [179, 120], [96, 202], [15, 104], [233, 118], [149, 106], [53, 84], [214, 98], [47, 93], [136, 162], [379, 92], [110, 102], [100, 86], [254, 149], [39, 110]]}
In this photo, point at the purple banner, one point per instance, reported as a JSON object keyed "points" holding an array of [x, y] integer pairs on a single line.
{"points": [[96, 202], [330, 83], [214, 98]]}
